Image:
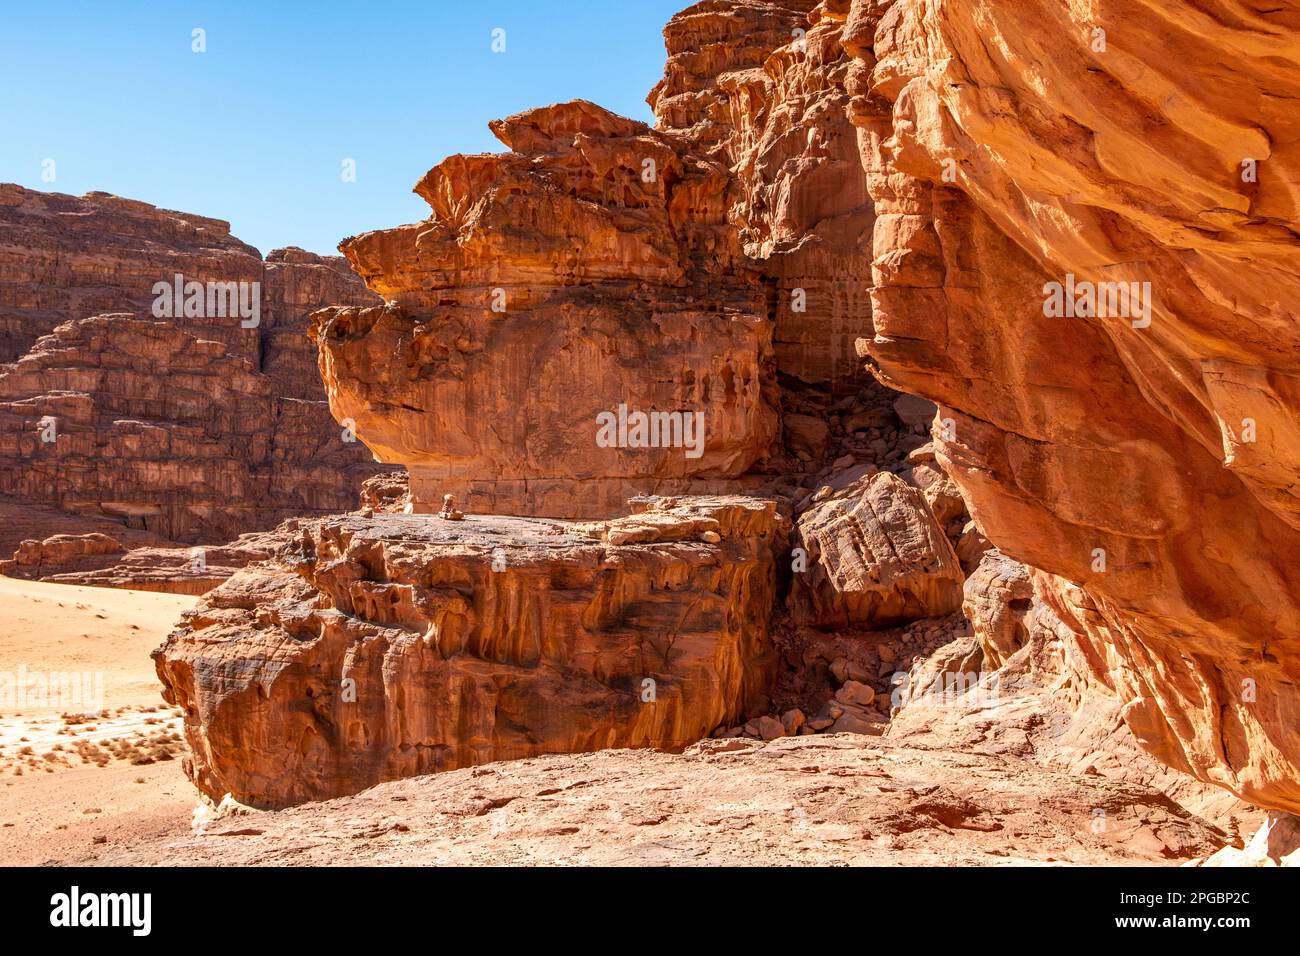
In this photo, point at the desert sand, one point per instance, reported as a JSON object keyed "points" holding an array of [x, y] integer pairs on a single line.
{"points": [[71, 775]]}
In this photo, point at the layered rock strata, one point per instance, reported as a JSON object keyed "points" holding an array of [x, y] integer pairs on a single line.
{"points": [[760, 87], [1082, 446], [574, 323], [101, 560], [67, 257], [193, 427], [139, 420], [669, 270]]}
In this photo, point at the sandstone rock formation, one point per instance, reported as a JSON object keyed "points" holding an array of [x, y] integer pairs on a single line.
{"points": [[66, 257], [875, 557], [100, 560], [1013, 680], [193, 428], [997, 599], [601, 263], [22, 521], [644, 268], [1152, 464], [134, 418], [760, 87], [588, 272], [420, 644], [1276, 843]]}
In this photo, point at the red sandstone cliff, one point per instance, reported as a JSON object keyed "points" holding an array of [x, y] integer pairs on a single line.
{"points": [[1090, 451], [760, 86], [589, 269], [193, 428]]}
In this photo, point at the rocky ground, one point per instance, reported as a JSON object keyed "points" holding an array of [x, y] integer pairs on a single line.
{"points": [[839, 799], [109, 788], [991, 781]]}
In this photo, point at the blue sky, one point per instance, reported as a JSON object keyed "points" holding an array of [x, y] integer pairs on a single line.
{"points": [[255, 130]]}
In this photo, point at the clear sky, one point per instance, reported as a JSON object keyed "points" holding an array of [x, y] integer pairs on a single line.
{"points": [[255, 130]]}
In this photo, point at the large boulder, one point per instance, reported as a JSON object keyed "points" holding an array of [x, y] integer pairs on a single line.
{"points": [[588, 277], [372, 648], [997, 599], [875, 557]]}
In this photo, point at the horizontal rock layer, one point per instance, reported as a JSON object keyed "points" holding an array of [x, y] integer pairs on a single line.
{"points": [[101, 560], [193, 428], [137, 419]]}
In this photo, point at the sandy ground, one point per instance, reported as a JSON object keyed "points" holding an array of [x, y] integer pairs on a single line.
{"points": [[93, 756]]}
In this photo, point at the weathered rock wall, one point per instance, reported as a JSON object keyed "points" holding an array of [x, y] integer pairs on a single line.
{"points": [[590, 269], [760, 86], [193, 428], [1006, 150], [167, 433]]}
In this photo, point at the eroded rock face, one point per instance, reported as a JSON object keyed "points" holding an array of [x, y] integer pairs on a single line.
{"points": [[1015, 680], [760, 86], [67, 257], [997, 598], [674, 269], [99, 560], [139, 420], [1114, 455], [588, 272], [296, 283], [466, 647], [875, 557], [382, 647], [1276, 843], [192, 428]]}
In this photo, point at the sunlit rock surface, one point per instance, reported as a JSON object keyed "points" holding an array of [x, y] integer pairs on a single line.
{"points": [[375, 648], [1010, 145]]}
